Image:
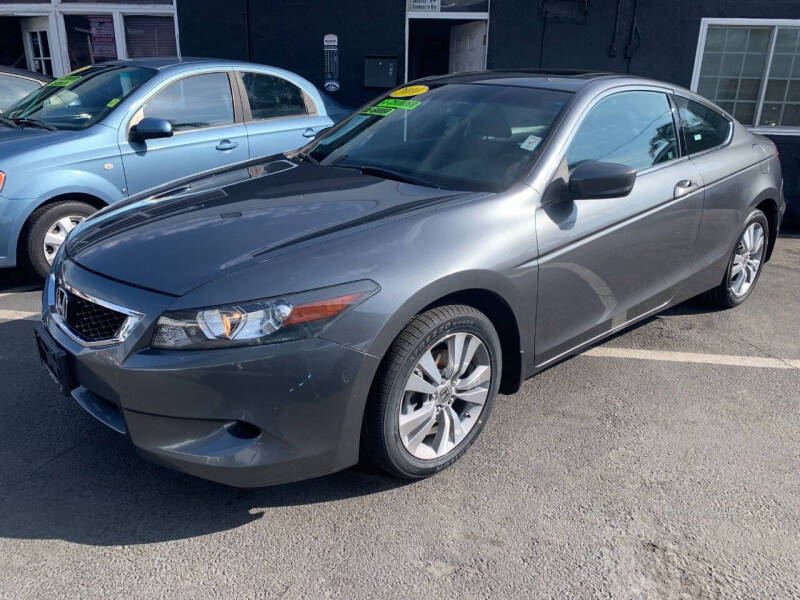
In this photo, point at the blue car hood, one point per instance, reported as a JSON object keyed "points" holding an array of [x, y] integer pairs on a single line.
{"points": [[175, 243], [15, 141]]}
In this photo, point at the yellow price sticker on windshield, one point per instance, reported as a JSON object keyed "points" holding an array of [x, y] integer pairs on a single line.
{"points": [[79, 70], [112, 103], [408, 91]]}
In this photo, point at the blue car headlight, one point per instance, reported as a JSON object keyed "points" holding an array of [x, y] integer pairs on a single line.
{"points": [[270, 320]]}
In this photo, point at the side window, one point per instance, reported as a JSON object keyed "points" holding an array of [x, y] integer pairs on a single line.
{"points": [[632, 128], [272, 97], [703, 127], [194, 102], [13, 89]]}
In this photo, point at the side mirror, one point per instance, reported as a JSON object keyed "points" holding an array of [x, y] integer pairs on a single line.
{"points": [[593, 179], [151, 128]]}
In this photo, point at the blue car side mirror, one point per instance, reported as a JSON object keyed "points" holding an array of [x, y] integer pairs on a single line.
{"points": [[151, 128]]}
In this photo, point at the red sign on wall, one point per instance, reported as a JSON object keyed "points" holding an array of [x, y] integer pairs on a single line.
{"points": [[104, 44]]}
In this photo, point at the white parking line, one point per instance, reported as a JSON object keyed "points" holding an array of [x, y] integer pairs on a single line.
{"points": [[21, 290], [18, 315], [690, 357]]}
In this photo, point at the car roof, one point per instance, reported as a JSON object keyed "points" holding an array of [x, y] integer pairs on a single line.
{"points": [[163, 63], [566, 80], [24, 73]]}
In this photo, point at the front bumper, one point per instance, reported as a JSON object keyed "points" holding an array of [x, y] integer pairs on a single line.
{"points": [[243, 416], [13, 214]]}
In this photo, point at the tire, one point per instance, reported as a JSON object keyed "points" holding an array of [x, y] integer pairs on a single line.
{"points": [[32, 243], [724, 296], [434, 334]]}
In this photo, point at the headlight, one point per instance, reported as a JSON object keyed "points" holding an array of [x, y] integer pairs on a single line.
{"points": [[254, 322]]}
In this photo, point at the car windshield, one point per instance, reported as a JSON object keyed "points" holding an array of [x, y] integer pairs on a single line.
{"points": [[81, 98], [473, 137]]}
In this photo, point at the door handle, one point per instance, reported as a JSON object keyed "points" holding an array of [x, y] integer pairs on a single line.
{"points": [[309, 133], [685, 187], [227, 145]]}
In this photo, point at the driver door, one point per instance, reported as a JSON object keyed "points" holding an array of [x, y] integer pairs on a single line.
{"points": [[607, 262], [208, 132]]}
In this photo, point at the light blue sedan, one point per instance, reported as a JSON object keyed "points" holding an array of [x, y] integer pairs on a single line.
{"points": [[108, 131]]}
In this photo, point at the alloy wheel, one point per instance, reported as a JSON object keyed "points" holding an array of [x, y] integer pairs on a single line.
{"points": [[444, 396], [57, 233], [747, 260]]}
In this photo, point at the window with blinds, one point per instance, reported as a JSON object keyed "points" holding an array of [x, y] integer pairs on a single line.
{"points": [[147, 35]]}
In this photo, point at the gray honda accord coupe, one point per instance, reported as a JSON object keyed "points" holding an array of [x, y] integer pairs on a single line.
{"points": [[372, 293]]}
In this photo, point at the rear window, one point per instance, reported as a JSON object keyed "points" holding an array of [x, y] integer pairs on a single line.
{"points": [[703, 127]]}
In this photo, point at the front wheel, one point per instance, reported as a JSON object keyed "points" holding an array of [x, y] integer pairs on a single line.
{"points": [[434, 392], [47, 229], [746, 263]]}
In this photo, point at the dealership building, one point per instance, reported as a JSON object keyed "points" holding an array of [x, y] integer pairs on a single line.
{"points": [[742, 54]]}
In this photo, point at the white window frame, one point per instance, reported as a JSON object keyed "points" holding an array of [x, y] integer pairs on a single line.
{"points": [[57, 31], [774, 24]]}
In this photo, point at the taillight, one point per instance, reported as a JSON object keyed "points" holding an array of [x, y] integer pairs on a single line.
{"points": [[2, 180]]}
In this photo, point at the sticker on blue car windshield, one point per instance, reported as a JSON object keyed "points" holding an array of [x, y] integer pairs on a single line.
{"points": [[64, 81]]}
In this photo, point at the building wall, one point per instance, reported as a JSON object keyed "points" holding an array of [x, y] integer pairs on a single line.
{"points": [[288, 34], [213, 28], [664, 48]]}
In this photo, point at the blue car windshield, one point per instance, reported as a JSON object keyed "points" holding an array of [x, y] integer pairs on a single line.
{"points": [[473, 137], [82, 98]]}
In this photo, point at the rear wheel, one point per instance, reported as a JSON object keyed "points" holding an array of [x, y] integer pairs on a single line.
{"points": [[434, 392], [47, 229], [746, 263]]}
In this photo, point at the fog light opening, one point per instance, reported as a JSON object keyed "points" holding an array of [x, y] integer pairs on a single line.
{"points": [[243, 431]]}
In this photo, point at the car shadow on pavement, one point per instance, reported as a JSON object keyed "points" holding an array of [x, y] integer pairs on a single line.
{"points": [[18, 280], [65, 476]]}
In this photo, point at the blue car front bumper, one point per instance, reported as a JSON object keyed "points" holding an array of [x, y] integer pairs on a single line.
{"points": [[12, 217]]}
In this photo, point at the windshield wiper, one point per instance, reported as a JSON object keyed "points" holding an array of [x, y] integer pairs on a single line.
{"points": [[8, 123], [20, 121], [306, 157], [389, 174]]}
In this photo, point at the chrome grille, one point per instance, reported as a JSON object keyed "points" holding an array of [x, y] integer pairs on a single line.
{"points": [[86, 319]]}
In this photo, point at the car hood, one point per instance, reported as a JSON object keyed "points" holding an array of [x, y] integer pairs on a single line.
{"points": [[14, 141], [175, 243]]}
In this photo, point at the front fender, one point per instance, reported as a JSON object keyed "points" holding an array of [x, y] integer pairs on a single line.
{"points": [[449, 285], [44, 184], [41, 189]]}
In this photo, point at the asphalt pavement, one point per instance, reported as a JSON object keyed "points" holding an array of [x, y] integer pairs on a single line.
{"points": [[641, 469]]}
